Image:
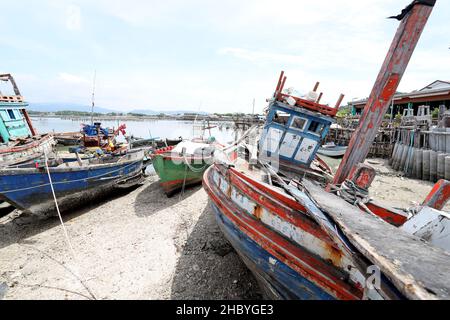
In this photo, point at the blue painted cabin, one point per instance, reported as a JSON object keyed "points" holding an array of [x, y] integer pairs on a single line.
{"points": [[13, 123], [293, 134]]}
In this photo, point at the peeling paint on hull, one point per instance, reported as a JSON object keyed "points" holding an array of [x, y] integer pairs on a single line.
{"points": [[278, 281], [300, 260]]}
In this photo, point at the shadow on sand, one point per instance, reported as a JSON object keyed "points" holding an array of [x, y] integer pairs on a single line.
{"points": [[152, 199], [209, 268], [5, 209], [18, 227]]}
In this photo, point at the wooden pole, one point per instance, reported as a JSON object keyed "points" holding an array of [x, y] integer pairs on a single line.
{"points": [[316, 86], [386, 85], [320, 97]]}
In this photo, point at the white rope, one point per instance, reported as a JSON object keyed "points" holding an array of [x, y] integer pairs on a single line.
{"points": [[193, 169], [184, 183], [83, 282]]}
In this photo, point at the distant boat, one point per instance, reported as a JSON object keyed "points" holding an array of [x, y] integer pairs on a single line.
{"points": [[75, 182], [332, 150], [158, 142], [68, 139]]}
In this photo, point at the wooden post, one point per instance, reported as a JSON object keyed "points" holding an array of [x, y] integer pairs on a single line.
{"points": [[320, 97], [338, 103], [394, 66], [279, 84], [316, 86], [29, 122]]}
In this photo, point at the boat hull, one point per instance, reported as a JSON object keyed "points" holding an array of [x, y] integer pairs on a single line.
{"points": [[290, 255], [29, 189], [278, 281], [337, 152], [23, 153], [174, 173], [68, 139]]}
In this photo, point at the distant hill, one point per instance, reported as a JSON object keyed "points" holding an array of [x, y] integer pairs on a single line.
{"points": [[54, 107], [153, 112], [146, 112]]}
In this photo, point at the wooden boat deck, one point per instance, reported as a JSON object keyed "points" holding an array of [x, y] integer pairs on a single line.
{"points": [[257, 174], [418, 268]]}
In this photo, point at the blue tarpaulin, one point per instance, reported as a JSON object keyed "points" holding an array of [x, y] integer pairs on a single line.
{"points": [[91, 130]]}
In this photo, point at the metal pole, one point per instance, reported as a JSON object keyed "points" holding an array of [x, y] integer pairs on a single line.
{"points": [[93, 98], [414, 19]]}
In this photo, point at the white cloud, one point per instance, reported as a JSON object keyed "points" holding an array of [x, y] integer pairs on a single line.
{"points": [[73, 18], [72, 79], [259, 56], [229, 51]]}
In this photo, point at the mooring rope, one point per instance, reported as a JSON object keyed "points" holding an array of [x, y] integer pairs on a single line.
{"points": [[66, 234], [184, 182], [193, 169]]}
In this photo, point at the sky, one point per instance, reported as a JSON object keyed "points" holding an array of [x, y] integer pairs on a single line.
{"points": [[209, 55]]}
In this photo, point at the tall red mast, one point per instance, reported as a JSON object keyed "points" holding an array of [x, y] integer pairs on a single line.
{"points": [[413, 21]]}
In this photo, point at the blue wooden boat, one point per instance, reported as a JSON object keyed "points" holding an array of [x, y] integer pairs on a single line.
{"points": [[75, 182]]}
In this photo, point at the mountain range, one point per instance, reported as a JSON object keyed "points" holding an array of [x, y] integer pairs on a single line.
{"points": [[54, 107]]}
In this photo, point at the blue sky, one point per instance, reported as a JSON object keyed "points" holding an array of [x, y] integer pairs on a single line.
{"points": [[207, 54]]}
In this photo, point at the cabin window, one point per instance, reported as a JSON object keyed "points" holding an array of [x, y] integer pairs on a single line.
{"points": [[316, 127], [299, 123], [11, 114], [281, 117]]}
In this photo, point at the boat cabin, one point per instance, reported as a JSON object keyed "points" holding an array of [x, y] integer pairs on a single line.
{"points": [[14, 120], [295, 127]]}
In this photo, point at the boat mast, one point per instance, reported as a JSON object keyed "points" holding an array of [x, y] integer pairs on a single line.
{"points": [[93, 98], [413, 21]]}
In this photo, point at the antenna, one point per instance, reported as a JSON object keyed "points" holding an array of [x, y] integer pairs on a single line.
{"points": [[254, 102], [93, 97]]}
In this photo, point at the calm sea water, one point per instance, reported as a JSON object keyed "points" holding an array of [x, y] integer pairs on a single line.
{"points": [[224, 132]]}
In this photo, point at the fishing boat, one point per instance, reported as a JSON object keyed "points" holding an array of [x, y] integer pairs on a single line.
{"points": [[29, 188], [19, 140], [306, 239], [95, 136], [68, 139], [159, 143], [183, 165], [332, 150]]}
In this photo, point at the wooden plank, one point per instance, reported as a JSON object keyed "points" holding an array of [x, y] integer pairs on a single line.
{"points": [[416, 268]]}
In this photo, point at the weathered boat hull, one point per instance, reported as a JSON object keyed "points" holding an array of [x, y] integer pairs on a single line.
{"points": [[174, 173], [277, 282], [29, 189], [68, 139], [159, 143], [23, 153], [290, 255]]}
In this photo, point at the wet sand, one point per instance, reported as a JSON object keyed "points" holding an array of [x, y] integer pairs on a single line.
{"points": [[141, 245], [137, 245]]}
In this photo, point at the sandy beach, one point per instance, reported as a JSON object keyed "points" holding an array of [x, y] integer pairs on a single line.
{"points": [[138, 244]]}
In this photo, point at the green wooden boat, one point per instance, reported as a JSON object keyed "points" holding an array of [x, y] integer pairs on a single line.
{"points": [[182, 165]]}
